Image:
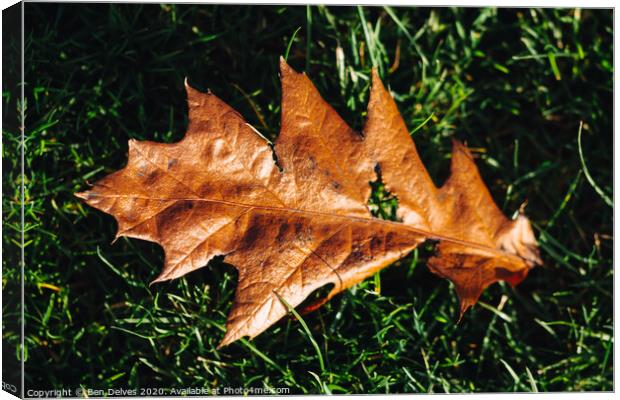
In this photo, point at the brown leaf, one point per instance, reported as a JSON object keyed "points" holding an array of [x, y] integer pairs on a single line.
{"points": [[461, 209], [219, 192]]}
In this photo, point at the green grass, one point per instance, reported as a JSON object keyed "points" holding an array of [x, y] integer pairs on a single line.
{"points": [[514, 84]]}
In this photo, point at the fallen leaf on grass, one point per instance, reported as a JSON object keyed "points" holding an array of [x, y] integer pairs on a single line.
{"points": [[293, 227]]}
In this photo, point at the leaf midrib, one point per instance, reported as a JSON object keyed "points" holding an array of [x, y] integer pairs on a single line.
{"points": [[370, 219]]}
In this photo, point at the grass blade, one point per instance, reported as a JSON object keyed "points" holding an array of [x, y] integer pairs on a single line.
{"points": [[586, 172], [305, 328]]}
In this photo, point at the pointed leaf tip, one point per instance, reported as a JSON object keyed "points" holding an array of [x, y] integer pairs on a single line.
{"points": [[224, 342], [462, 311], [459, 149], [228, 338], [375, 74], [464, 305], [190, 90], [194, 96], [376, 81], [458, 145], [156, 280], [285, 69]]}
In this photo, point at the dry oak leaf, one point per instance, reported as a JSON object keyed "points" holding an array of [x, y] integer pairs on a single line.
{"points": [[291, 231]]}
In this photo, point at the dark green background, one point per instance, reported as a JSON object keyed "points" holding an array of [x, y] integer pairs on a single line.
{"points": [[513, 83]]}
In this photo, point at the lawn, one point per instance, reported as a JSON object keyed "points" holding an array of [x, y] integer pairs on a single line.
{"points": [[529, 90]]}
